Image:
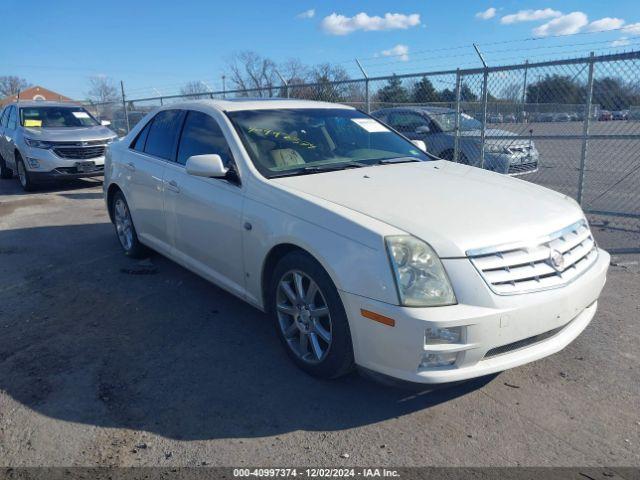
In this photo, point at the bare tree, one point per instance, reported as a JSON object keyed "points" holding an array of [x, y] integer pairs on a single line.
{"points": [[11, 85], [512, 92], [250, 71], [102, 90], [193, 89]]}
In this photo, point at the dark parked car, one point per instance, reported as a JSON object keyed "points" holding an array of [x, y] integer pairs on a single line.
{"points": [[620, 115], [605, 116], [436, 127]]}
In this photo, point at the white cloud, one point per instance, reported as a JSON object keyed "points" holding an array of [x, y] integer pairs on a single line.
{"points": [[400, 51], [607, 23], [632, 29], [487, 14], [530, 16], [621, 42], [307, 14], [336, 24], [565, 25]]}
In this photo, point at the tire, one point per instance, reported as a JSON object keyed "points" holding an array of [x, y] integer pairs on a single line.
{"points": [[449, 154], [319, 344], [125, 230], [5, 172], [26, 182]]}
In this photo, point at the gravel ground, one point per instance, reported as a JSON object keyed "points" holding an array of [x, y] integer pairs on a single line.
{"points": [[109, 361]]}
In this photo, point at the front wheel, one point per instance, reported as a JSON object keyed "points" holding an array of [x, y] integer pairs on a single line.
{"points": [[310, 319], [24, 178]]}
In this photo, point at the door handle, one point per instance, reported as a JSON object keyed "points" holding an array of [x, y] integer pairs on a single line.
{"points": [[131, 166], [173, 186]]}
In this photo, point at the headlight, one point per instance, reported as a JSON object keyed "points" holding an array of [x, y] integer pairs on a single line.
{"points": [[32, 142], [496, 149], [420, 276]]}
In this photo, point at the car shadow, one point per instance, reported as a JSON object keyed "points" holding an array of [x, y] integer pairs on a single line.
{"points": [[93, 337], [12, 186]]}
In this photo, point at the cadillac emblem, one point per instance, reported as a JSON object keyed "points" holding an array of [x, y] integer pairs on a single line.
{"points": [[556, 260]]}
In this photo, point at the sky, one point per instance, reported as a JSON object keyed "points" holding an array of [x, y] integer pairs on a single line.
{"points": [[154, 47]]}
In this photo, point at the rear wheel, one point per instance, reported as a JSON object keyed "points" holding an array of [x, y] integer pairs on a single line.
{"points": [[5, 172], [310, 318], [24, 178], [125, 230]]}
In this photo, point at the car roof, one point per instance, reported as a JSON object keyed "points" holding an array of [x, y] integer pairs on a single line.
{"points": [[43, 103], [237, 104], [419, 109]]}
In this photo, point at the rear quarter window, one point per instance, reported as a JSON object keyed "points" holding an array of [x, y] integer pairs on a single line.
{"points": [[161, 139]]}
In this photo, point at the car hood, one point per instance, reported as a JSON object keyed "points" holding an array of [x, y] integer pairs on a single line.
{"points": [[453, 207], [70, 134]]}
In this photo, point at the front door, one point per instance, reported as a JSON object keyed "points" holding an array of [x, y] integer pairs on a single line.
{"points": [[204, 215]]}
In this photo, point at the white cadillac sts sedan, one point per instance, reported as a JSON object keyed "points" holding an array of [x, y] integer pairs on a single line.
{"points": [[364, 250]]}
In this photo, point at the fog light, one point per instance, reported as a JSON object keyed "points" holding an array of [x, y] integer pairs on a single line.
{"points": [[431, 360], [33, 163], [434, 335]]}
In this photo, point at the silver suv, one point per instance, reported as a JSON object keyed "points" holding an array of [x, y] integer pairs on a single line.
{"points": [[47, 141]]}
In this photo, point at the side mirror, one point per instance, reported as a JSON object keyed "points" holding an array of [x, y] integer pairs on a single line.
{"points": [[209, 166], [423, 129], [105, 123], [420, 144]]}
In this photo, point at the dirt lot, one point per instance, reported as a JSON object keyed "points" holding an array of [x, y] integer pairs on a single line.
{"points": [[109, 361]]}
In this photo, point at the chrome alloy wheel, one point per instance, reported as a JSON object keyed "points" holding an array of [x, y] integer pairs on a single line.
{"points": [[303, 316], [124, 225]]}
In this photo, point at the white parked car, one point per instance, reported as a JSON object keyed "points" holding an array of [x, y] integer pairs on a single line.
{"points": [[49, 141], [364, 249]]}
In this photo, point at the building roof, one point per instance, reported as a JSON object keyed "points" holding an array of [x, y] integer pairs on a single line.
{"points": [[36, 93]]}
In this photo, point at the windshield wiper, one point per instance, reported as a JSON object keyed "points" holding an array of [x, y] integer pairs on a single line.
{"points": [[386, 161], [332, 167]]}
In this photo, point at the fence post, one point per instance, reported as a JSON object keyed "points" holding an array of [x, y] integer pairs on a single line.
{"points": [[485, 92], [366, 87], [585, 130], [284, 82], [456, 140], [524, 89], [124, 106]]}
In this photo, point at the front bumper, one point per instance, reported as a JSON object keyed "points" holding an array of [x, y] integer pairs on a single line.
{"points": [[518, 163], [50, 167], [500, 332]]}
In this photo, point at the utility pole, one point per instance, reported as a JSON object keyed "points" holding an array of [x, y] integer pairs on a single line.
{"points": [[224, 86]]}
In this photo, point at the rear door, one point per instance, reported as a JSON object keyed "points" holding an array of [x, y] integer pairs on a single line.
{"points": [[147, 159], [204, 215]]}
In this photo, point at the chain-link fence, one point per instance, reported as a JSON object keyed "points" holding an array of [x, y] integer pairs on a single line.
{"points": [[570, 125]]}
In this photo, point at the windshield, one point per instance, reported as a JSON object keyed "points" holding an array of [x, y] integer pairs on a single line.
{"points": [[295, 141], [54, 117], [447, 121]]}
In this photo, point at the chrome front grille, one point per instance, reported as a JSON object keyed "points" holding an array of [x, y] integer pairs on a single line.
{"points": [[548, 262], [80, 153]]}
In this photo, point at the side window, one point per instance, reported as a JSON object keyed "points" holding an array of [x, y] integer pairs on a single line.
{"points": [[12, 119], [202, 135], [407, 122], [140, 141], [162, 135]]}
